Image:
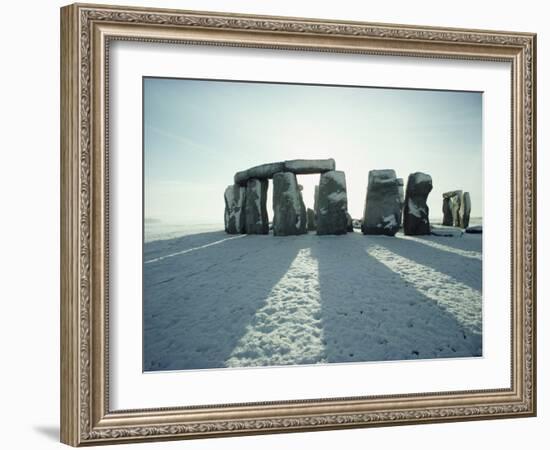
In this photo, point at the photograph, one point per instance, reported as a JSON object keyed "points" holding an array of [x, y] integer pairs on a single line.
{"points": [[291, 224]]}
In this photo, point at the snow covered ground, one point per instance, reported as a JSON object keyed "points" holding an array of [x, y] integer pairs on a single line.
{"points": [[213, 300]]}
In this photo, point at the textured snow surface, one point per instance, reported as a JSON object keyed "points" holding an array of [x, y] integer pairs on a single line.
{"points": [[214, 302]]}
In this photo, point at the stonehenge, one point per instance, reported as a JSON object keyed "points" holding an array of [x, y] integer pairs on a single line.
{"points": [[456, 209], [416, 212], [382, 213], [246, 199], [387, 208]]}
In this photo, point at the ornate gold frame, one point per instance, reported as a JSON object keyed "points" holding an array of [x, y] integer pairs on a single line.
{"points": [[86, 31]]}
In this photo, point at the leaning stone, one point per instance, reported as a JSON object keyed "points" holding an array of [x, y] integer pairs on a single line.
{"points": [[416, 214], [289, 211], [308, 166], [311, 225], [256, 219], [465, 209], [234, 209], [382, 213], [332, 203], [443, 230]]}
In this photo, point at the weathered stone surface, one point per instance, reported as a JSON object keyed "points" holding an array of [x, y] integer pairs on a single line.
{"points": [[416, 213], [451, 208], [289, 211], [311, 225], [382, 213], [256, 220], [307, 166], [263, 171], [296, 166], [447, 212], [234, 209], [456, 208], [465, 209], [332, 203]]}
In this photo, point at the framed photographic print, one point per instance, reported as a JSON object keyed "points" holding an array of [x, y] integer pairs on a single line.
{"points": [[276, 224]]}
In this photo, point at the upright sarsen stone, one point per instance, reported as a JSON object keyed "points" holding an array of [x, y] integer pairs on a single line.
{"points": [[416, 213], [234, 209], [289, 211], [382, 213], [256, 220], [332, 203], [456, 208], [451, 208], [465, 209]]}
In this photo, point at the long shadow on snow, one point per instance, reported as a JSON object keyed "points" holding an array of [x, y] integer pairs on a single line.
{"points": [[197, 306], [369, 313], [463, 269]]}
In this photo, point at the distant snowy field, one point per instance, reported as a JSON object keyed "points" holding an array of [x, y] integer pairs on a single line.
{"points": [[213, 300]]}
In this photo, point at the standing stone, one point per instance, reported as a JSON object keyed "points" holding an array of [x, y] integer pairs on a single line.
{"points": [[447, 212], [456, 209], [311, 225], [316, 202], [465, 209], [289, 211], [382, 213], [256, 220], [416, 215], [332, 203], [234, 209], [451, 208]]}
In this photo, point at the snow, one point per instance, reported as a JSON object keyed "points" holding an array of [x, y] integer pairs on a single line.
{"points": [[216, 302], [337, 176], [389, 221], [416, 211], [336, 197], [445, 230]]}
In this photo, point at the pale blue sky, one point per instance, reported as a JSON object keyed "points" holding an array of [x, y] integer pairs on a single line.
{"points": [[197, 134]]}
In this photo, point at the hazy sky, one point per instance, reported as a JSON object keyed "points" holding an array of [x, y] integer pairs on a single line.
{"points": [[197, 134]]}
